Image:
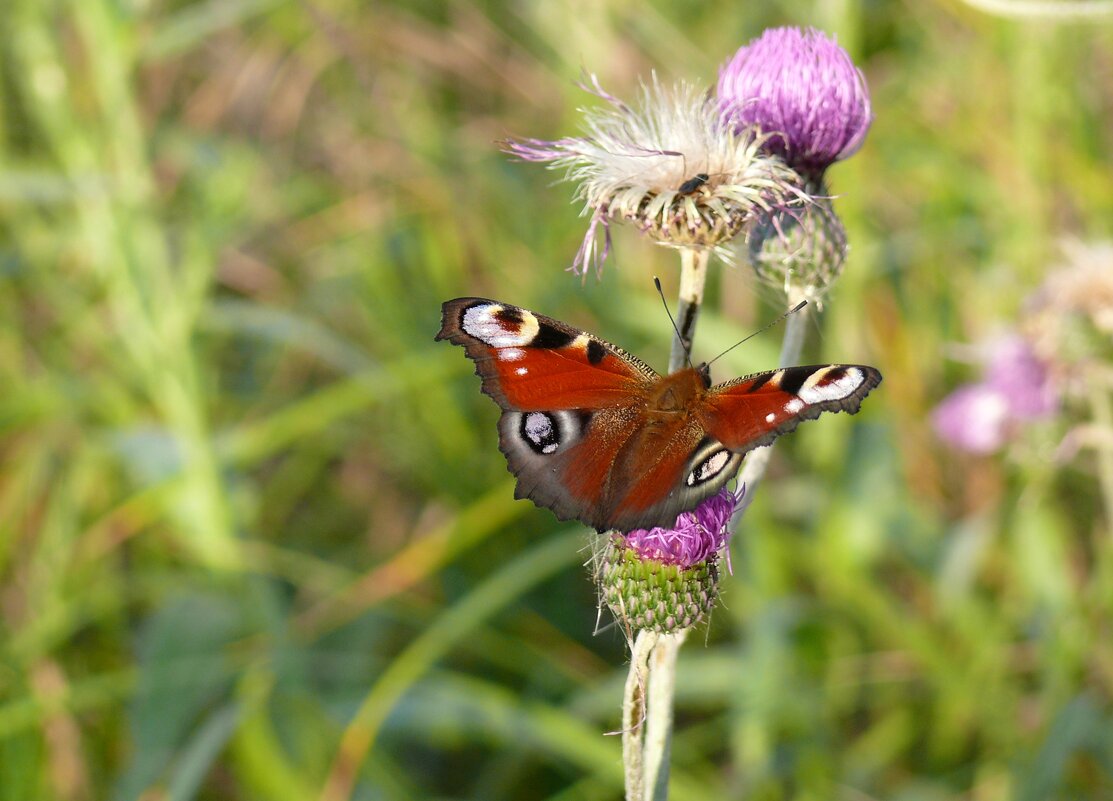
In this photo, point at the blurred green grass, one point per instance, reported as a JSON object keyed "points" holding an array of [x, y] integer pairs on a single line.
{"points": [[243, 494]]}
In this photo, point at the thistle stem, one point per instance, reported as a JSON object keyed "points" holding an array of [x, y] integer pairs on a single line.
{"points": [[1102, 410], [651, 684], [633, 714], [756, 462], [661, 671], [693, 277]]}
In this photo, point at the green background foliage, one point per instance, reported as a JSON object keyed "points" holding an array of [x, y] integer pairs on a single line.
{"points": [[245, 499]]}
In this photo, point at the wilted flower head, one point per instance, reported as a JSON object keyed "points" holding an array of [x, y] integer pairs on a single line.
{"points": [[667, 578], [802, 89], [1070, 316], [1016, 387], [670, 167]]}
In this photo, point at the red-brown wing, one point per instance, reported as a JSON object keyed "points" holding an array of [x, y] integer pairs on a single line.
{"points": [[672, 475], [609, 469], [570, 402], [753, 411], [529, 362]]}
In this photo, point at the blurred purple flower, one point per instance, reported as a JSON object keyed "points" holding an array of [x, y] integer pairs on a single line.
{"points": [[973, 418], [697, 536], [1013, 369], [800, 87], [979, 417]]}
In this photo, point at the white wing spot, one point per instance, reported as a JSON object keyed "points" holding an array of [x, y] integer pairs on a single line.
{"points": [[794, 406], [522, 370], [482, 323], [539, 426], [769, 418], [813, 391], [511, 354], [541, 432]]}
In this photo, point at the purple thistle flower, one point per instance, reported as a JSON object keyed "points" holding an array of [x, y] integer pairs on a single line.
{"points": [[803, 90], [696, 537], [979, 417], [667, 579], [670, 167]]}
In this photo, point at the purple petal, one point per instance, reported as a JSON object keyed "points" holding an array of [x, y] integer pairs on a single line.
{"points": [[540, 149], [589, 254], [695, 537]]}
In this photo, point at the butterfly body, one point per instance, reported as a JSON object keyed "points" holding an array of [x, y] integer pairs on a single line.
{"points": [[596, 435]]}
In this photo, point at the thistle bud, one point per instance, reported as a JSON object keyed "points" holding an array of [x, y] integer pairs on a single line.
{"points": [[805, 248]]}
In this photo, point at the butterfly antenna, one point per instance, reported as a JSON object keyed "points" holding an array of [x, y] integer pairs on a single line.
{"points": [[679, 336], [793, 310]]}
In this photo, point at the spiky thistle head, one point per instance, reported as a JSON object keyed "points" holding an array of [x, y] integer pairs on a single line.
{"points": [[666, 579], [668, 166]]}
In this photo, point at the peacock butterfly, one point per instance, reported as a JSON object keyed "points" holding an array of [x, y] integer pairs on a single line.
{"points": [[596, 435]]}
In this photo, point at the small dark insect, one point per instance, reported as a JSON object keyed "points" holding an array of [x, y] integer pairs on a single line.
{"points": [[693, 183]]}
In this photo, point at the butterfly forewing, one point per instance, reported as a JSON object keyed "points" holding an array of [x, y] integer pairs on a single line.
{"points": [[753, 411], [530, 362]]}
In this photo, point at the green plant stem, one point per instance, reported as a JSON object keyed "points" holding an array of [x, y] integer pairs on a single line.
{"points": [[756, 462], [661, 671], [1102, 407], [633, 714], [651, 684], [693, 277]]}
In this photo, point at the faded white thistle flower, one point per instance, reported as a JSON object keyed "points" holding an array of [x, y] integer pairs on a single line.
{"points": [[671, 167]]}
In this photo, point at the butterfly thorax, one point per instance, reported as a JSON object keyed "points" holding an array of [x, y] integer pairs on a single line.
{"points": [[675, 394]]}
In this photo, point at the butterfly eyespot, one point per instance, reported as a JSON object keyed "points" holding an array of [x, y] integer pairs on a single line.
{"points": [[500, 326], [541, 432], [709, 467], [834, 383]]}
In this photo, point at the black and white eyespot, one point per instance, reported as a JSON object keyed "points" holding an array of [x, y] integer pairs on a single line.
{"points": [[540, 432], [500, 326], [711, 461], [547, 432], [830, 384]]}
